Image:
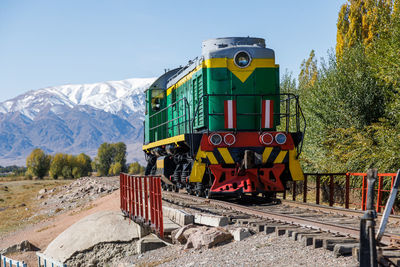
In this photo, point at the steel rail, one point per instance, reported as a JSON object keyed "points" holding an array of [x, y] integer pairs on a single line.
{"points": [[387, 239], [335, 210]]}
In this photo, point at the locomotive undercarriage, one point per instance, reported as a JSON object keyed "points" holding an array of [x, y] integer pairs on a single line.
{"points": [[246, 176]]}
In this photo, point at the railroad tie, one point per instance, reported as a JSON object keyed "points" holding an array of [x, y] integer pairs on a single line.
{"points": [[296, 236], [329, 243], [282, 230], [344, 249]]}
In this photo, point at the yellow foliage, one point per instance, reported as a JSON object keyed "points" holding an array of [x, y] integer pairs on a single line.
{"points": [[361, 21], [309, 71]]}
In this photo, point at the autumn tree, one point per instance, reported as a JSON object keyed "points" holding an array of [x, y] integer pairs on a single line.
{"points": [[308, 71], [352, 108], [136, 168], [57, 164], [38, 163], [362, 22], [83, 165], [120, 155], [115, 168], [107, 156]]}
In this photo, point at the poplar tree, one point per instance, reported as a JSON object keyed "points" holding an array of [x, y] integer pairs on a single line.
{"points": [[362, 21], [38, 163], [308, 71]]}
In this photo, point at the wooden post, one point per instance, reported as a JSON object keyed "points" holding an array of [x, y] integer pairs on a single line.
{"points": [[331, 190], [305, 189], [317, 189], [347, 192]]}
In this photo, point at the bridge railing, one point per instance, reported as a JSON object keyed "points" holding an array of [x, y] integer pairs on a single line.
{"points": [[141, 200], [7, 262]]}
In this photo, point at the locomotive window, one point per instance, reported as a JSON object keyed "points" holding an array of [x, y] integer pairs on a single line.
{"points": [[156, 98]]}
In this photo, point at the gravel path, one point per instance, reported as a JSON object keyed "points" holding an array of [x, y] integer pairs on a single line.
{"points": [[257, 250]]}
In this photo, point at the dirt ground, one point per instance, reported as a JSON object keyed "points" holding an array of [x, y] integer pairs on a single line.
{"points": [[42, 233]]}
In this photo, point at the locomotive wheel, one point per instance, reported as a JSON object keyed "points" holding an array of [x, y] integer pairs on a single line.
{"points": [[199, 193], [207, 193], [175, 189], [189, 191]]}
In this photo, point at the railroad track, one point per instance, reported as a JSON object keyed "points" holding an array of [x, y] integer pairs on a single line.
{"points": [[312, 221]]}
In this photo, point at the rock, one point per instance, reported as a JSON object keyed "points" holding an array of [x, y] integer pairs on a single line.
{"points": [[40, 197], [240, 233], [42, 191], [209, 238], [183, 233], [23, 246]]}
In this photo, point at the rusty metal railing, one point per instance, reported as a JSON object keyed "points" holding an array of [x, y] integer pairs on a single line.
{"points": [[141, 200], [347, 182]]}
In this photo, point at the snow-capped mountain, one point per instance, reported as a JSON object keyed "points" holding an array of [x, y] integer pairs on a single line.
{"points": [[73, 119]]}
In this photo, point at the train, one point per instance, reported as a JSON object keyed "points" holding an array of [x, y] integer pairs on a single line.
{"points": [[220, 126]]}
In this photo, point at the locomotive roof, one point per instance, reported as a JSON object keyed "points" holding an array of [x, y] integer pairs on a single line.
{"points": [[225, 47], [161, 82]]}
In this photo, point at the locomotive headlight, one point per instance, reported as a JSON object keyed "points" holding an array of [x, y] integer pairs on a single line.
{"points": [[242, 59], [280, 138], [266, 138], [229, 139], [215, 139]]}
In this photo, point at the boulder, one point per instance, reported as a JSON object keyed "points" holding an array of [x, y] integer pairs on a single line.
{"points": [[23, 246], [208, 238], [183, 233]]}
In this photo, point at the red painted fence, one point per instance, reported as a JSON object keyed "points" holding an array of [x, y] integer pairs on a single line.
{"points": [[346, 182], [141, 200]]}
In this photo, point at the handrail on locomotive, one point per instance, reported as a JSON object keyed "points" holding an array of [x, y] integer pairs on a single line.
{"points": [[188, 122]]}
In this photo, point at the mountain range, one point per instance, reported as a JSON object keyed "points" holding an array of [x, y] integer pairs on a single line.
{"points": [[73, 119]]}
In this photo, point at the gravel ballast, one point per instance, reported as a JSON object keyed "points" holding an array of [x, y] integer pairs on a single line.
{"points": [[257, 250]]}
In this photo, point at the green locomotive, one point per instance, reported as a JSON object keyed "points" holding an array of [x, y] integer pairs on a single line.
{"points": [[211, 126]]}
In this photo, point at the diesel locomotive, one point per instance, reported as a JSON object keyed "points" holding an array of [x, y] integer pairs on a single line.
{"points": [[220, 126]]}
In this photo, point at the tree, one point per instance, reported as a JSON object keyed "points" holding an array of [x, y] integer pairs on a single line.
{"points": [[57, 164], [120, 155], [67, 172], [109, 154], [38, 163], [308, 71], [84, 165], [363, 22], [136, 168], [104, 158], [115, 168]]}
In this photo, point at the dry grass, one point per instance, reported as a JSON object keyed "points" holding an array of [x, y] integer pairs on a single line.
{"points": [[19, 203], [45, 228]]}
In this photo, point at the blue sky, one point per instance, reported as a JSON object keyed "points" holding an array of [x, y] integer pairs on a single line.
{"points": [[47, 43]]}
